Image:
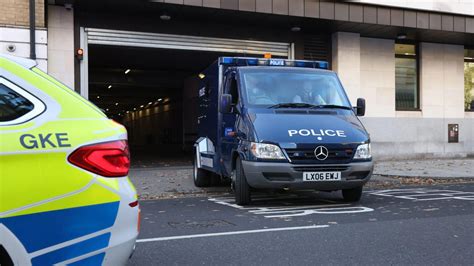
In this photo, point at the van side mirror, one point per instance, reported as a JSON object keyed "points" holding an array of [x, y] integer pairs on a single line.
{"points": [[226, 103], [360, 109]]}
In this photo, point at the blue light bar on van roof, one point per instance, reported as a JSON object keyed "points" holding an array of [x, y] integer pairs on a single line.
{"points": [[249, 61]]}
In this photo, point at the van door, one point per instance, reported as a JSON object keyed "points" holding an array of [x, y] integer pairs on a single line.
{"points": [[229, 140]]}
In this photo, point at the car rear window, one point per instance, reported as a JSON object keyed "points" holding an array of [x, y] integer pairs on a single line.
{"points": [[12, 104]]}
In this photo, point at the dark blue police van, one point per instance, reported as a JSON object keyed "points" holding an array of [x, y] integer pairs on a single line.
{"points": [[279, 124]]}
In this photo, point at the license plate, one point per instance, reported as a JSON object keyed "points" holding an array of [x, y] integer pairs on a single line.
{"points": [[321, 176]]}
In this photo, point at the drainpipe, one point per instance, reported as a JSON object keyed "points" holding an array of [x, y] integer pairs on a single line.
{"points": [[32, 30]]}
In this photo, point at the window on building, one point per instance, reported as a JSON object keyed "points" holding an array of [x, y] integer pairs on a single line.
{"points": [[406, 77], [469, 80], [12, 105]]}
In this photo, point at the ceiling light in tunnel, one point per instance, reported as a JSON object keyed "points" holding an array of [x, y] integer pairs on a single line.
{"points": [[165, 17], [107, 109], [116, 104], [201, 75], [160, 100], [109, 87], [150, 103], [401, 36], [141, 106], [127, 71], [134, 109], [98, 96], [295, 29]]}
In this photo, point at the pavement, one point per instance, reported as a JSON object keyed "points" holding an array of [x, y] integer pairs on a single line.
{"points": [[413, 225], [173, 178]]}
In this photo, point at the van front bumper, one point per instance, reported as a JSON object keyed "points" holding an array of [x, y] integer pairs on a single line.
{"points": [[278, 175]]}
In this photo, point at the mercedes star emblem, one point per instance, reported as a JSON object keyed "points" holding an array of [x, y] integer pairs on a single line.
{"points": [[321, 153]]}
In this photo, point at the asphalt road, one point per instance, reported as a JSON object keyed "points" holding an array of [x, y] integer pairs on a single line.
{"points": [[418, 225]]}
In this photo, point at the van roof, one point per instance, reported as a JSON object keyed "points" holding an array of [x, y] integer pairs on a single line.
{"points": [[28, 63]]}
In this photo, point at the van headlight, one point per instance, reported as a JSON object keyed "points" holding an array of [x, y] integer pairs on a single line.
{"points": [[266, 151], [363, 152]]}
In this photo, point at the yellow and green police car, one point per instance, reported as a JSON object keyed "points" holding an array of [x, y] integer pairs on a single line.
{"points": [[65, 195]]}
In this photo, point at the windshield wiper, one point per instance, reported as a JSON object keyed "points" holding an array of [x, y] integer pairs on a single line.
{"points": [[293, 105], [332, 106]]}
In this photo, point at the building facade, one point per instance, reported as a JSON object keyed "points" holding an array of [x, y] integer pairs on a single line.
{"points": [[413, 64]]}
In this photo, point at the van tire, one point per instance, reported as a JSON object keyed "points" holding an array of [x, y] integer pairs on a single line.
{"points": [[352, 195], [201, 177], [241, 187]]}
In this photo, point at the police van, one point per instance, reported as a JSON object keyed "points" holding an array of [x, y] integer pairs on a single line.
{"points": [[65, 195], [279, 124]]}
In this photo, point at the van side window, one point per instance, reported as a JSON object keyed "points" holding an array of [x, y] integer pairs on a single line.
{"points": [[12, 104]]}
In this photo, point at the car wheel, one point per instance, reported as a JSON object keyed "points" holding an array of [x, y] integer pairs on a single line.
{"points": [[241, 187], [201, 177], [352, 195]]}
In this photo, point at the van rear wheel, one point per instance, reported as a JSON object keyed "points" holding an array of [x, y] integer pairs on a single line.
{"points": [[352, 195], [241, 187], [201, 177]]}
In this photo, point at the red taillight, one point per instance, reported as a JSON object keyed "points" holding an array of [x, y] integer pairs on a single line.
{"points": [[109, 159]]}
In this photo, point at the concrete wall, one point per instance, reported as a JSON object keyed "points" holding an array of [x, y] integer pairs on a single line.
{"points": [[19, 38], [346, 61], [366, 67], [442, 80], [377, 76], [61, 44]]}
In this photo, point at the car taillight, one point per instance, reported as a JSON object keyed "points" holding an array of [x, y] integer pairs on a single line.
{"points": [[109, 159]]}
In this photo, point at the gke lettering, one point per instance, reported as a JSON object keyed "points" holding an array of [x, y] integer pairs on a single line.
{"points": [[50, 140]]}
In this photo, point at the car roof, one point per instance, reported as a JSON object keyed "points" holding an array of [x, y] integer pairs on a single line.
{"points": [[28, 63]]}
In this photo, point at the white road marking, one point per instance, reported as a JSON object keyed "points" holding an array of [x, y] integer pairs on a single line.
{"points": [[281, 211], [231, 233], [423, 194]]}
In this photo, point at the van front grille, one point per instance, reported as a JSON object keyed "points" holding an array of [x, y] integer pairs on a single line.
{"points": [[307, 156]]}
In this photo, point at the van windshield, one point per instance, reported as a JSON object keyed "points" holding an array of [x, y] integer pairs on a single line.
{"points": [[292, 88]]}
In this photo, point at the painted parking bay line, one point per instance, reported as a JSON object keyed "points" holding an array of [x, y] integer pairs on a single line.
{"points": [[167, 238]]}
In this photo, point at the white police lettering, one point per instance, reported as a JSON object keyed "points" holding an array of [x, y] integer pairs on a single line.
{"points": [[317, 133]]}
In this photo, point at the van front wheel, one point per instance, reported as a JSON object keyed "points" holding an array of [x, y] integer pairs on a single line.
{"points": [[352, 195], [241, 187]]}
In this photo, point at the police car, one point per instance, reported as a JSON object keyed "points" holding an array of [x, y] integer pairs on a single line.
{"points": [[279, 124], [65, 195]]}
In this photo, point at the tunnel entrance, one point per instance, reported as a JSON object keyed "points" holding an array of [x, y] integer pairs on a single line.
{"points": [[153, 93]]}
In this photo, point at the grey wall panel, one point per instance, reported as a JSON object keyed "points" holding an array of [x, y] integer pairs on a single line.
{"points": [[280, 7], [230, 4], [311, 8], [193, 2], [264, 6], [370, 14], [211, 3], [470, 25], [383, 16], [326, 10], [435, 21], [356, 13], [341, 12], [459, 24], [296, 8], [247, 5], [447, 23], [409, 19], [422, 20], [174, 1], [396, 17]]}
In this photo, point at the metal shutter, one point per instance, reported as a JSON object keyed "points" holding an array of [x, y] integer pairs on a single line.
{"points": [[317, 47], [183, 42]]}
